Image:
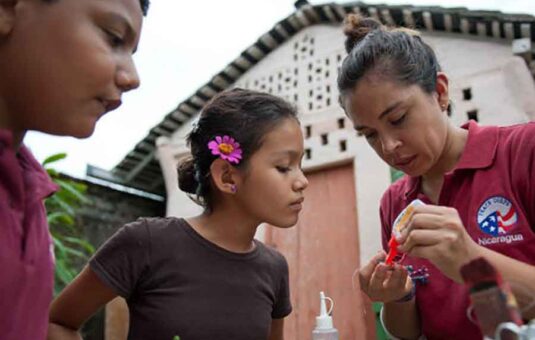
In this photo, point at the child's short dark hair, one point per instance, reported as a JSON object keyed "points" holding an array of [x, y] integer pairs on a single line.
{"points": [[245, 115], [143, 3], [144, 6]]}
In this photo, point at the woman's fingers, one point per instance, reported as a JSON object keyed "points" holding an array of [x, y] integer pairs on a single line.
{"points": [[433, 209], [397, 278], [422, 221], [423, 237], [378, 277], [366, 272], [388, 283], [432, 218], [382, 282]]}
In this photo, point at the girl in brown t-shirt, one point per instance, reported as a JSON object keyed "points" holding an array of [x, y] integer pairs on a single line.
{"points": [[206, 277]]}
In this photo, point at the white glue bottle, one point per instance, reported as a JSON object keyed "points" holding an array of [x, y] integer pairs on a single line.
{"points": [[324, 322]]}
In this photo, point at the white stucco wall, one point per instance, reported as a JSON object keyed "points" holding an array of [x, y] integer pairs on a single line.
{"points": [[502, 87], [169, 152], [303, 70]]}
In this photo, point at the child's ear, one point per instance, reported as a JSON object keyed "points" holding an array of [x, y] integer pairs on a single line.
{"points": [[223, 176], [7, 16]]}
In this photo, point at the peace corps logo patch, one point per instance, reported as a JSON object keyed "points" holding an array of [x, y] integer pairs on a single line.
{"points": [[496, 216]]}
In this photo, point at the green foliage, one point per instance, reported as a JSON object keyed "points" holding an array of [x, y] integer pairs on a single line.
{"points": [[380, 331], [395, 174], [70, 248]]}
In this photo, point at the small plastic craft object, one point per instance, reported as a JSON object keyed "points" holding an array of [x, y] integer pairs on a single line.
{"points": [[399, 224]]}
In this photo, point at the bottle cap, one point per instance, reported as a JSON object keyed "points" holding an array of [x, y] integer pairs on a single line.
{"points": [[324, 320]]}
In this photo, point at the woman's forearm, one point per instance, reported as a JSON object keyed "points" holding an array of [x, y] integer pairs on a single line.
{"points": [[401, 319]]}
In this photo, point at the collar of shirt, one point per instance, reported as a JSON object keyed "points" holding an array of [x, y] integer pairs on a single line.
{"points": [[22, 171], [479, 152]]}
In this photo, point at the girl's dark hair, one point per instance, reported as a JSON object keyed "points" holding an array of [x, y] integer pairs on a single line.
{"points": [[245, 115], [397, 53]]}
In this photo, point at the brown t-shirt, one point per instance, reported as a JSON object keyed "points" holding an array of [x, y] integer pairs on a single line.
{"points": [[178, 283]]}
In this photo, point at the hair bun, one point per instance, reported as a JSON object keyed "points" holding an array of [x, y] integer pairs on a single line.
{"points": [[186, 176], [356, 27]]}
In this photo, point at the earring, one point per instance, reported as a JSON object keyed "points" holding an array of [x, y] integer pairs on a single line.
{"points": [[233, 188]]}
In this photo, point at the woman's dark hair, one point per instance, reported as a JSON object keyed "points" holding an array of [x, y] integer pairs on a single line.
{"points": [[396, 53], [247, 116]]}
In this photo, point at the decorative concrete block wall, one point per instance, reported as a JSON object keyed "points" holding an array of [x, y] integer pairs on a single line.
{"points": [[487, 83]]}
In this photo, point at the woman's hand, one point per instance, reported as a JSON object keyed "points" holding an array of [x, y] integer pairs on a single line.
{"points": [[382, 282], [437, 234]]}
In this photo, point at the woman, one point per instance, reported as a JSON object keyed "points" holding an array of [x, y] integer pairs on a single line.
{"points": [[477, 182]]}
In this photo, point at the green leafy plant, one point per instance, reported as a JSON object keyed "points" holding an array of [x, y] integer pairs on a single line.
{"points": [[70, 247], [395, 174]]}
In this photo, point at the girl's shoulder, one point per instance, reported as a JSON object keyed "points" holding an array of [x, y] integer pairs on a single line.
{"points": [[148, 229], [271, 254], [162, 223]]}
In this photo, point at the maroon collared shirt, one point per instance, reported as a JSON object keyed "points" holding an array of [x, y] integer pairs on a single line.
{"points": [[26, 257], [493, 189]]}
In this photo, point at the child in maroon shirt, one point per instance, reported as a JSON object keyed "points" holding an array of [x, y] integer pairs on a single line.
{"points": [[477, 183], [63, 64]]}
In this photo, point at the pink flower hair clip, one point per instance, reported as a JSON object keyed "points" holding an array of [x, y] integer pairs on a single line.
{"points": [[226, 148]]}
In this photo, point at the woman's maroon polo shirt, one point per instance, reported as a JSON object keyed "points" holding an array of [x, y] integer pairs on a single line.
{"points": [[493, 189]]}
